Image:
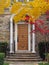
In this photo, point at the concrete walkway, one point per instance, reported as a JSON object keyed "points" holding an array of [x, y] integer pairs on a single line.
{"points": [[24, 63]]}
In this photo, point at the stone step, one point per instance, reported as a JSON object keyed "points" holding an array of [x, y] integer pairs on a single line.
{"points": [[23, 59], [23, 54]]}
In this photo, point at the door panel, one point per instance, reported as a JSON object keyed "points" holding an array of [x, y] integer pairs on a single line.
{"points": [[22, 36]]}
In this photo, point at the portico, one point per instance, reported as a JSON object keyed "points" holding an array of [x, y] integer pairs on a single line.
{"points": [[24, 43], [22, 36]]}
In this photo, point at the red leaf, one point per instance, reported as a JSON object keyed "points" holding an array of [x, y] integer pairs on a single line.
{"points": [[47, 16], [40, 21], [32, 22], [33, 31], [47, 31], [45, 27], [47, 12]]}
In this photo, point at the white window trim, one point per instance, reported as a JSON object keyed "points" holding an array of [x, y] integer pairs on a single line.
{"points": [[29, 36], [17, 0]]}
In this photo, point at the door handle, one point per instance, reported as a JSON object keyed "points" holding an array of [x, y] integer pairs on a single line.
{"points": [[17, 39]]}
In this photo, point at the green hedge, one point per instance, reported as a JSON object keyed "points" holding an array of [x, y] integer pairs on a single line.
{"points": [[2, 55]]}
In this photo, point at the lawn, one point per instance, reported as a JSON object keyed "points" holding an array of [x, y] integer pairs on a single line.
{"points": [[6, 64], [43, 63]]}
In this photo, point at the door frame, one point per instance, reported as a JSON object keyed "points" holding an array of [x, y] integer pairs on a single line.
{"points": [[29, 36]]}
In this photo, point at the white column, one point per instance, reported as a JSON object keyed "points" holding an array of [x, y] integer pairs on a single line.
{"points": [[11, 34], [33, 39], [15, 37]]}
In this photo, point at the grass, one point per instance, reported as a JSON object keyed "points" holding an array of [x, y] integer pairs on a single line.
{"points": [[43, 63], [6, 64]]}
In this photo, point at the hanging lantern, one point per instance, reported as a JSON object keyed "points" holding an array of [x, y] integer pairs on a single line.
{"points": [[27, 18]]}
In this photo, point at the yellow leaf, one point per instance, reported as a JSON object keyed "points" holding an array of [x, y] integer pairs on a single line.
{"points": [[1, 10]]}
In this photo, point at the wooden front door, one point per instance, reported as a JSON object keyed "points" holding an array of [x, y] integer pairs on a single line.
{"points": [[22, 37]]}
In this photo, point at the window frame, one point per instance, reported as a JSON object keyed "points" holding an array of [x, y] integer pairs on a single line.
{"points": [[26, 0]]}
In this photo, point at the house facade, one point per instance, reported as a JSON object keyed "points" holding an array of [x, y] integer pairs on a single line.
{"points": [[18, 34]]}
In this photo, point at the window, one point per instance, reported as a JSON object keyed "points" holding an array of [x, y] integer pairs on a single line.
{"points": [[23, 0], [20, 0]]}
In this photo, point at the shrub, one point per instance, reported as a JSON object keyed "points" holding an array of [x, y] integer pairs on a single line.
{"points": [[47, 57], [3, 47], [2, 55], [43, 49], [47, 47]]}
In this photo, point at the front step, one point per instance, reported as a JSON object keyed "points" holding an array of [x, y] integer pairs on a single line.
{"points": [[23, 57], [13, 60]]}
